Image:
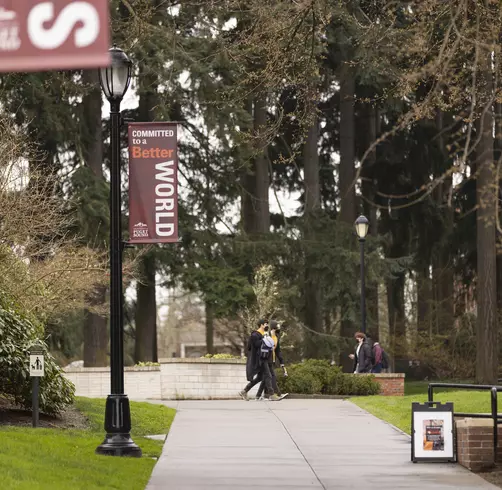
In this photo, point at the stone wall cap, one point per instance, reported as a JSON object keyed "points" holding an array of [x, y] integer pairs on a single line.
{"points": [[470, 422], [106, 369], [199, 360], [87, 370]]}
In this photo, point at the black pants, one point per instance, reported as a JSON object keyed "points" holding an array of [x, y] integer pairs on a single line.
{"points": [[264, 377], [275, 386]]}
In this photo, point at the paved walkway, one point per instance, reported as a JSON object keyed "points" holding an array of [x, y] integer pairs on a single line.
{"points": [[293, 444]]}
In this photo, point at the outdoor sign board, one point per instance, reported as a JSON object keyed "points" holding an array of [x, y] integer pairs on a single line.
{"points": [[37, 35], [37, 365], [153, 182], [432, 432]]}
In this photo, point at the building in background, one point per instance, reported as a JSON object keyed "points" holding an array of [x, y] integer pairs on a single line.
{"points": [[182, 331]]}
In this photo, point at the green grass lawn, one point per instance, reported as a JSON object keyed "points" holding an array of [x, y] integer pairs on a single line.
{"points": [[397, 410], [58, 459]]}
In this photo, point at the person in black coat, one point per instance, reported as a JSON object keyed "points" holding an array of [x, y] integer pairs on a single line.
{"points": [[257, 369], [274, 356], [362, 357]]}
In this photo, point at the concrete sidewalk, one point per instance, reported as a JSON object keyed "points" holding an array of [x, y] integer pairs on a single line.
{"points": [[293, 444]]}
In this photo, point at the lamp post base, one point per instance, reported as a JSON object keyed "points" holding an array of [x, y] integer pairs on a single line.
{"points": [[119, 445], [118, 440]]}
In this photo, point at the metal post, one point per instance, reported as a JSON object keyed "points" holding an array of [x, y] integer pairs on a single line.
{"points": [[34, 400], [363, 288], [116, 296], [495, 422], [431, 393], [118, 441]]}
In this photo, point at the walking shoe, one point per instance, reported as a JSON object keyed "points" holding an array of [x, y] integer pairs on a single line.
{"points": [[243, 394], [259, 398], [284, 396], [273, 398]]}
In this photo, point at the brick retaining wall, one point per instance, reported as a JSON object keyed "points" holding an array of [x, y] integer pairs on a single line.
{"points": [[475, 443], [391, 384]]}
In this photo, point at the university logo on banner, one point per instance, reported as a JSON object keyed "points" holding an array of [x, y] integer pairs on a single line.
{"points": [[153, 182], [37, 35]]}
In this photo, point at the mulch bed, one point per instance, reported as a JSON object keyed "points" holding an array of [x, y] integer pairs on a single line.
{"points": [[11, 414], [494, 476]]}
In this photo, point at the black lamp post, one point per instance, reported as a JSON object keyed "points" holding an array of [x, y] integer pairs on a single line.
{"points": [[114, 81], [362, 226]]}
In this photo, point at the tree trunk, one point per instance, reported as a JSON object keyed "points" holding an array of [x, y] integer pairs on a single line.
{"points": [[443, 263], [95, 326], [368, 190], [443, 291], [398, 247], [146, 312], [313, 307], [486, 192], [209, 328], [146, 289], [498, 158], [93, 133], [397, 317], [424, 298], [347, 190], [95, 333], [262, 174], [248, 184], [347, 148], [255, 213]]}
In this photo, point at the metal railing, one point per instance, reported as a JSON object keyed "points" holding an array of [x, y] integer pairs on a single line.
{"points": [[495, 416]]}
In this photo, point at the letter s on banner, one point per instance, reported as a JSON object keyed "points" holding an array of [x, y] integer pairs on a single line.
{"points": [[57, 35]]}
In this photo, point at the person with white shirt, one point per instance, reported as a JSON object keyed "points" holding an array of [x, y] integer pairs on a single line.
{"points": [[362, 358]]}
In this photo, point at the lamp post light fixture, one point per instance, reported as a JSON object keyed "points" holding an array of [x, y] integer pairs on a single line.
{"points": [[115, 80], [362, 226]]}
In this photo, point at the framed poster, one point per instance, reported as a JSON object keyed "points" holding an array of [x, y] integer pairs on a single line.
{"points": [[432, 437]]}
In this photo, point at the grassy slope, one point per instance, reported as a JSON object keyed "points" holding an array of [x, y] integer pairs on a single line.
{"points": [[55, 459], [397, 410]]}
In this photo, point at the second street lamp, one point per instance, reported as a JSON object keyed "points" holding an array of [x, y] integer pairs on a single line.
{"points": [[115, 80], [362, 226]]}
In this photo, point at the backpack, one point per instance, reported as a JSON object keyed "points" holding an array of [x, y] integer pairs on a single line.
{"points": [[373, 354], [267, 346], [385, 360]]}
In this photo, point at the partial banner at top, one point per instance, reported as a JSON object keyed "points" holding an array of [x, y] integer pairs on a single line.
{"points": [[39, 35], [153, 182]]}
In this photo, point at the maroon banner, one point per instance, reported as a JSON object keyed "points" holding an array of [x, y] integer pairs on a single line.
{"points": [[38, 35], [153, 182]]}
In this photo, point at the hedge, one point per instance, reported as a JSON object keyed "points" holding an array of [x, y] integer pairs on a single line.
{"points": [[317, 377], [17, 336]]}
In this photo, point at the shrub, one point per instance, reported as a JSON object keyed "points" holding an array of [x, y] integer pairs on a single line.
{"points": [[17, 335], [301, 382], [448, 356], [319, 377], [352, 384], [147, 364], [221, 356]]}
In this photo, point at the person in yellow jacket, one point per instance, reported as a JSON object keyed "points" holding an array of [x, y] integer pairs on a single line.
{"points": [[274, 357]]}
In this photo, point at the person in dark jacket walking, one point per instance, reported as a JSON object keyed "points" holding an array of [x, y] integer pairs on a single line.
{"points": [[377, 358], [257, 369], [274, 356], [362, 357]]}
